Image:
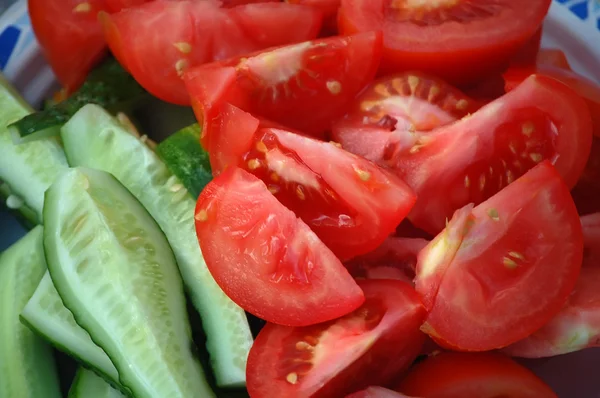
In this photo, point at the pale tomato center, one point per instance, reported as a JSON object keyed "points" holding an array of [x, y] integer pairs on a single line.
{"points": [[277, 66]]}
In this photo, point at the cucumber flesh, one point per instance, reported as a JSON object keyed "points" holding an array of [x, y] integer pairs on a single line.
{"points": [[186, 159], [92, 138], [88, 384], [114, 270], [46, 314], [30, 168], [27, 368], [16, 205]]}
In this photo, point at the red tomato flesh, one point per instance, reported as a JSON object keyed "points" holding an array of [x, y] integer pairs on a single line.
{"points": [[303, 86], [329, 8], [118, 5], [265, 259], [461, 375], [553, 57], [460, 40], [472, 159], [503, 269], [369, 346], [70, 37], [407, 101], [586, 193], [377, 392], [198, 32]]}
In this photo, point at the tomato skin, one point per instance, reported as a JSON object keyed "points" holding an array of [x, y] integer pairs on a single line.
{"points": [[370, 345], [587, 191], [323, 75], [414, 39], [377, 392], [73, 45], [461, 375], [475, 308], [553, 57], [508, 136], [118, 5], [528, 54], [265, 259], [329, 8], [201, 31]]}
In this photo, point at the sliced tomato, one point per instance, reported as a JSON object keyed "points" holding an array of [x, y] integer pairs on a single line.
{"points": [[409, 101], [118, 5], [461, 375], [587, 191], [352, 204], [553, 57], [265, 259], [528, 54], [377, 392], [329, 8], [198, 32], [303, 86], [460, 41], [396, 258], [70, 36], [472, 159], [369, 346], [503, 269], [587, 89], [591, 233]]}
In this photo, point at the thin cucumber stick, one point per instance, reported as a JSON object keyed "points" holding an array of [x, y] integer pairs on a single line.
{"points": [[27, 368], [92, 138], [116, 273], [30, 168], [46, 314], [88, 384]]}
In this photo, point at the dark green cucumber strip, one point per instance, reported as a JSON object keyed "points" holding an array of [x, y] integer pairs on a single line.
{"points": [[92, 138], [30, 168], [27, 368], [115, 271], [186, 159], [109, 85], [24, 214], [88, 384], [46, 314]]}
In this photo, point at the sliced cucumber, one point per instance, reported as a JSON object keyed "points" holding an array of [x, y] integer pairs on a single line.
{"points": [[93, 138], [28, 169], [26, 216], [88, 384], [115, 271], [27, 368], [46, 314], [186, 159], [108, 85]]}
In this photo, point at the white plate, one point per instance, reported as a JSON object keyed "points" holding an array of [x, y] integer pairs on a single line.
{"points": [[572, 25]]}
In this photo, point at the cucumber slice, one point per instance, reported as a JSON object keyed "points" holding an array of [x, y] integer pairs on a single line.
{"points": [[186, 159], [28, 169], [92, 138], [115, 271], [24, 214], [108, 85], [46, 314], [27, 368], [88, 384]]}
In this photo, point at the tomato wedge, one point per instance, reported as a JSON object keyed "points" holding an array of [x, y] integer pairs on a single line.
{"points": [[198, 32], [118, 5], [70, 37], [587, 191], [369, 346], [460, 41], [587, 89], [409, 101], [329, 8], [377, 392], [528, 54], [461, 375], [553, 57], [351, 204], [503, 269], [265, 259], [303, 86], [591, 234], [472, 159], [396, 258]]}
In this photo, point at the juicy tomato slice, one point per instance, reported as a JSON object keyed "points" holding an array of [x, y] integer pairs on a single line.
{"points": [[199, 32], [587, 191], [472, 159], [118, 5], [377, 392], [503, 269], [329, 8], [587, 89], [396, 258], [352, 204], [553, 57], [303, 86], [369, 346], [591, 234], [409, 101], [528, 54], [265, 259], [70, 36], [460, 41], [485, 375]]}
